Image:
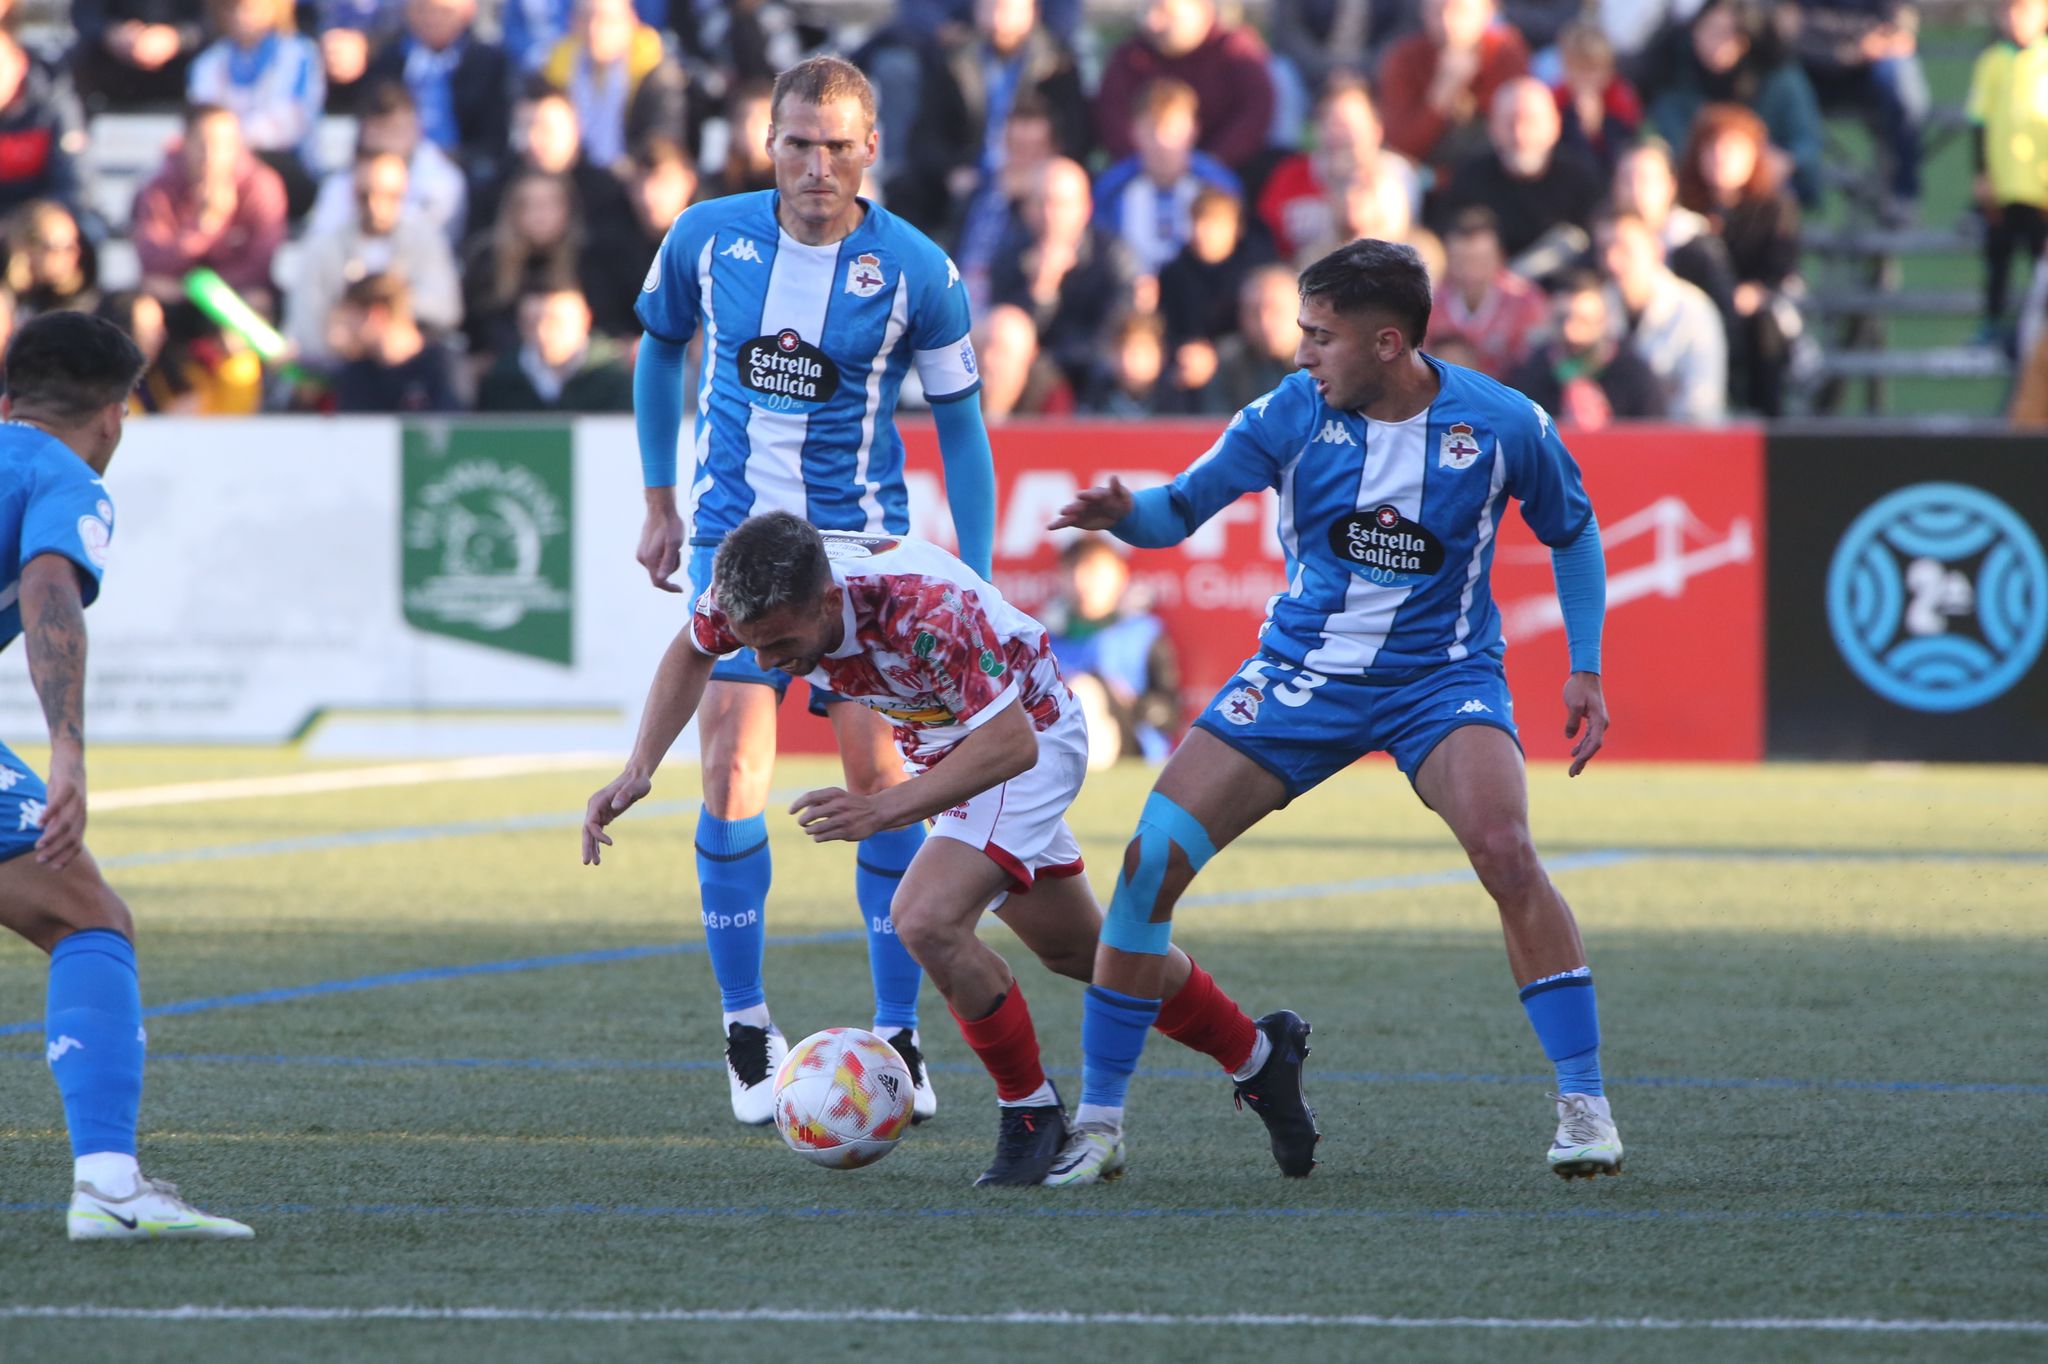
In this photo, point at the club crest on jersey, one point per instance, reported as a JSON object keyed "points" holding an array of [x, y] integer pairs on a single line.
{"points": [[1385, 546], [1240, 705], [864, 276], [785, 373], [1459, 448]]}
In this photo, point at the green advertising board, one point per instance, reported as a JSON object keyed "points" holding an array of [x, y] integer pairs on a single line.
{"points": [[489, 536]]}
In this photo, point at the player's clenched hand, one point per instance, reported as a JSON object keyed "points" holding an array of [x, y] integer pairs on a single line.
{"points": [[617, 797], [661, 544], [1096, 508], [833, 814], [63, 815], [1584, 701]]}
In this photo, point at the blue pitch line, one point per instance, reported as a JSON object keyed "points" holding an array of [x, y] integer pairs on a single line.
{"points": [[717, 1212], [433, 973], [1604, 857], [1374, 1077]]}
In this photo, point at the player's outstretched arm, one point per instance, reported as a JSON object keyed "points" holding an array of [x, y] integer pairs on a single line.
{"points": [[671, 701], [53, 629], [1096, 508], [658, 419], [1003, 746]]}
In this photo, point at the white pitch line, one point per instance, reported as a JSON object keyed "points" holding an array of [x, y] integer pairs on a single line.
{"points": [[1354, 1321], [351, 779]]}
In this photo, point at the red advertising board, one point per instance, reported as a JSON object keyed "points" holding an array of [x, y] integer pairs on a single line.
{"points": [[1681, 515]]}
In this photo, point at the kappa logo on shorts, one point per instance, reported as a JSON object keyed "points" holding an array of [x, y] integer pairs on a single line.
{"points": [[59, 1047], [1458, 449], [1474, 708], [9, 778], [1240, 705]]}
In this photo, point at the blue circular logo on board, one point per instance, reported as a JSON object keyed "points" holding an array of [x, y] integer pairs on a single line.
{"points": [[1938, 597]]}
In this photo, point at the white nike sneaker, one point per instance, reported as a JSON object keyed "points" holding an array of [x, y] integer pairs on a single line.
{"points": [[924, 1104], [1586, 1143], [752, 1056], [152, 1211], [1094, 1154]]}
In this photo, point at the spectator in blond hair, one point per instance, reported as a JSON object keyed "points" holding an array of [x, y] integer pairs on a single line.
{"points": [[1600, 112], [619, 74], [1147, 198]]}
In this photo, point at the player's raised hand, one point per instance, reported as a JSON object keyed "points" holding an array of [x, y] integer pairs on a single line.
{"points": [[1096, 508], [832, 815], [661, 539], [618, 796], [1584, 702], [63, 813]]}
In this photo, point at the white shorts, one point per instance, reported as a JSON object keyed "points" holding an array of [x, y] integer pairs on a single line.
{"points": [[1022, 824]]}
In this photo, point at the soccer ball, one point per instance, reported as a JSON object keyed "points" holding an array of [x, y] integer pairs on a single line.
{"points": [[842, 1098]]}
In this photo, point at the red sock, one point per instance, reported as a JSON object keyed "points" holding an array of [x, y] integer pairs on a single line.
{"points": [[1008, 1045], [1205, 1019]]}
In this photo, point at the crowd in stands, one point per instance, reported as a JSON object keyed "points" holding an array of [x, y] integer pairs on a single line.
{"points": [[1609, 195]]}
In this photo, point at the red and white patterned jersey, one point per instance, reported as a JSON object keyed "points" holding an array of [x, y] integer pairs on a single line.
{"points": [[928, 643]]}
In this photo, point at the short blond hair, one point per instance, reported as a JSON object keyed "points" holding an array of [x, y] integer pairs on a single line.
{"points": [[823, 80]]}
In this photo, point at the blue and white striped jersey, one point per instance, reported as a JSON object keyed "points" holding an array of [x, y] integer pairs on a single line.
{"points": [[805, 349], [1388, 527]]}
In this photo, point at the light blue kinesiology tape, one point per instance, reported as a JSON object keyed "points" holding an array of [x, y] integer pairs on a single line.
{"points": [[1128, 927]]}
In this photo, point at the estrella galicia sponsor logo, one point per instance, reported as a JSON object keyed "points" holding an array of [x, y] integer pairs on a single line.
{"points": [[786, 373], [1938, 597], [1385, 546]]}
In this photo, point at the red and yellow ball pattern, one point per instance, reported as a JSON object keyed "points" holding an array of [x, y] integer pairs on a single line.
{"points": [[842, 1098]]}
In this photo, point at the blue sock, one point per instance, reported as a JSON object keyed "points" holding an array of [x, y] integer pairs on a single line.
{"points": [[1567, 1021], [1113, 1029], [733, 872], [879, 864], [93, 1023]]}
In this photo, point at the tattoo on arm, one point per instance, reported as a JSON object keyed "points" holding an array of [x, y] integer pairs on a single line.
{"points": [[53, 620]]}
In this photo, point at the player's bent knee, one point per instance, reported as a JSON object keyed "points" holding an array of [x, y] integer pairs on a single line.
{"points": [[1170, 847], [925, 926], [1075, 962], [1505, 859]]}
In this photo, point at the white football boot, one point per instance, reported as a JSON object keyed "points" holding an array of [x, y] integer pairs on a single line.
{"points": [[151, 1211], [924, 1104], [1586, 1143], [1094, 1154], [752, 1056]]}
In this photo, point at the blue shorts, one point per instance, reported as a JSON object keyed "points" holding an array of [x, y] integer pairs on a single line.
{"points": [[22, 797], [1304, 727], [741, 667]]}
